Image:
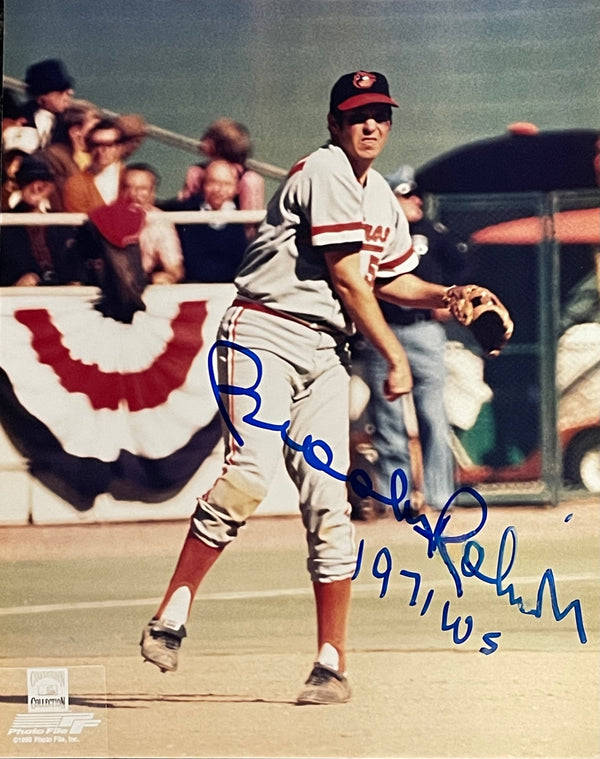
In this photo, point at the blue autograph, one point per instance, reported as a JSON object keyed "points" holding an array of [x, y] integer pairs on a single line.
{"points": [[318, 454]]}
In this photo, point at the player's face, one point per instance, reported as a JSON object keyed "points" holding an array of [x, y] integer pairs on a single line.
{"points": [[363, 132]]}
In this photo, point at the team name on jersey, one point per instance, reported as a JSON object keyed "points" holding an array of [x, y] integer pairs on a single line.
{"points": [[376, 234]]}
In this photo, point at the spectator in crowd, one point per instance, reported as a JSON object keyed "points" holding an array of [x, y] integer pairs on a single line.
{"points": [[50, 91], [100, 183], [108, 244], [29, 196], [160, 248], [36, 255], [69, 154], [212, 252], [17, 142], [228, 140], [127, 244], [443, 259]]}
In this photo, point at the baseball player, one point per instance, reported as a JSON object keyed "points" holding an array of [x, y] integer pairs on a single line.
{"points": [[334, 239]]}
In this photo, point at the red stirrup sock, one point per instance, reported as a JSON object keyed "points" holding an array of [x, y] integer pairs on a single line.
{"points": [[195, 560], [333, 605]]}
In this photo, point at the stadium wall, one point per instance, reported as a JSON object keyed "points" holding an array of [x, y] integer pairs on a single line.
{"points": [[95, 425]]}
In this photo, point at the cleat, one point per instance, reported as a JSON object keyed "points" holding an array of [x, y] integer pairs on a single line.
{"points": [[160, 644], [325, 686]]}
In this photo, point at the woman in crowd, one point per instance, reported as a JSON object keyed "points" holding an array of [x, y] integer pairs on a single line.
{"points": [[228, 140]]}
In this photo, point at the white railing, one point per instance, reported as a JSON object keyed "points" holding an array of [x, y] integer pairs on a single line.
{"points": [[176, 217]]}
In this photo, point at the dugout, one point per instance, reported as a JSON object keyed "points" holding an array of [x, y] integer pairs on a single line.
{"points": [[536, 436], [529, 202]]}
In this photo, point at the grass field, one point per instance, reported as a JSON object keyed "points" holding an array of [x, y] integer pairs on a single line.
{"points": [[78, 596]]}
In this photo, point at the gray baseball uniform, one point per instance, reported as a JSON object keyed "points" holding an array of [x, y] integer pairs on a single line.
{"points": [[281, 354]]}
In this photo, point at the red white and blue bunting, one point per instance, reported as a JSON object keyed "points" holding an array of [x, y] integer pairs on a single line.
{"points": [[98, 406]]}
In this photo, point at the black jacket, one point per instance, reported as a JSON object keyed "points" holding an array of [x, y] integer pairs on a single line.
{"points": [[443, 259], [18, 245], [210, 255]]}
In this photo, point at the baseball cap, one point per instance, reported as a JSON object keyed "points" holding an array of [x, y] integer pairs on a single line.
{"points": [[360, 88], [402, 181]]}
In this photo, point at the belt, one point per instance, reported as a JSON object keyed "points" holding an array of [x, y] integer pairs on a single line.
{"points": [[256, 306], [405, 319]]}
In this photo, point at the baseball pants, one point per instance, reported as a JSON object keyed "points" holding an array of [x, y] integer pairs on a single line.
{"points": [[274, 371]]}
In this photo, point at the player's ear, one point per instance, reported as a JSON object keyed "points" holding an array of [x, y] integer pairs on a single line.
{"points": [[332, 125]]}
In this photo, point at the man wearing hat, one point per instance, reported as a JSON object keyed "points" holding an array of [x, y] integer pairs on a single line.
{"points": [[50, 89], [333, 240], [443, 258], [36, 255]]}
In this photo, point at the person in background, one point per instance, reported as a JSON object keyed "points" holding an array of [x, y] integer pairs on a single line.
{"points": [[34, 182], [50, 91], [12, 108], [69, 154], [213, 252], [17, 142], [443, 259], [128, 244], [36, 255], [162, 258], [228, 140], [100, 183]]}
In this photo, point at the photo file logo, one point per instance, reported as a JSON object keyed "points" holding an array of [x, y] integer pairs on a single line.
{"points": [[71, 724]]}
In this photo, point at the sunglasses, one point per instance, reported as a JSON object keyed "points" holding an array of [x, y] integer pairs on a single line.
{"points": [[380, 115], [104, 144]]}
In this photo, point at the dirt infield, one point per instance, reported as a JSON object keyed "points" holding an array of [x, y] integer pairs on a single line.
{"points": [[417, 693]]}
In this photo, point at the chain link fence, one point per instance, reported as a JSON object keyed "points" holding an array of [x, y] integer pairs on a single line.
{"points": [[525, 426], [539, 432]]}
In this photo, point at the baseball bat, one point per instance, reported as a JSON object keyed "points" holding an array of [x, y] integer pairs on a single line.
{"points": [[417, 477]]}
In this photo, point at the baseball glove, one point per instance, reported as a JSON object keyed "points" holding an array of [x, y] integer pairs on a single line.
{"points": [[482, 312]]}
